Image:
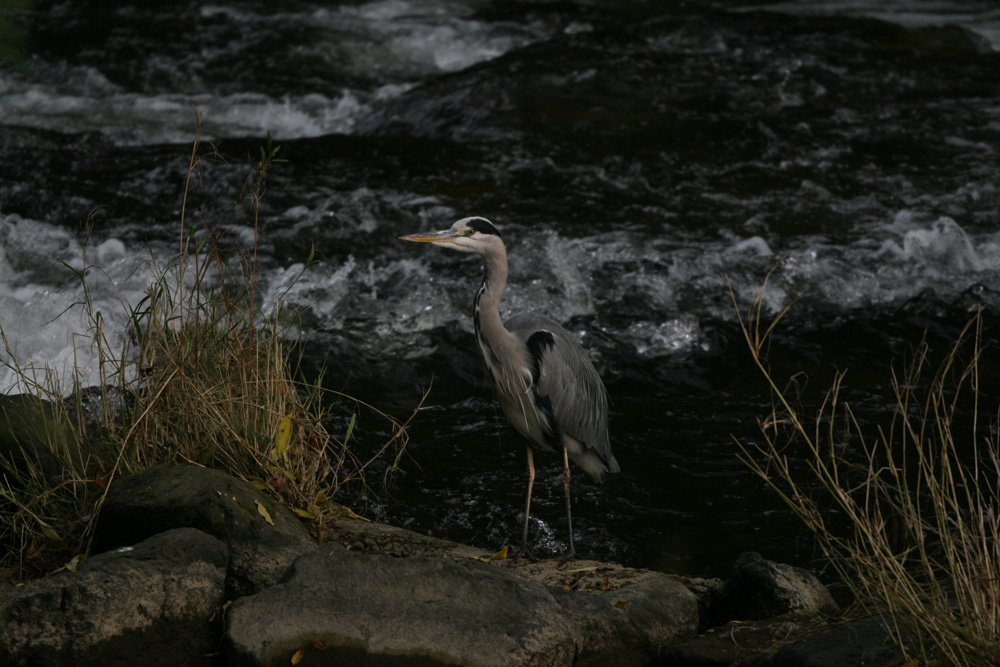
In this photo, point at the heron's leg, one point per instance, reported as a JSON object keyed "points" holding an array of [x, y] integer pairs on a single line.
{"points": [[527, 504], [569, 515], [524, 551]]}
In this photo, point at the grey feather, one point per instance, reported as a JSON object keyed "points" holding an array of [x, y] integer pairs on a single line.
{"points": [[570, 381]]}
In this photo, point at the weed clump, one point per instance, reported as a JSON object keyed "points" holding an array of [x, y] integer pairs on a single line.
{"points": [[907, 515], [201, 378]]}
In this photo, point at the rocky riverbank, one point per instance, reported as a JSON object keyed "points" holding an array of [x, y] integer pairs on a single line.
{"points": [[194, 567]]}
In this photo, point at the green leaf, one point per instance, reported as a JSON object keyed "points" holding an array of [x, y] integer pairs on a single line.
{"points": [[350, 428]]}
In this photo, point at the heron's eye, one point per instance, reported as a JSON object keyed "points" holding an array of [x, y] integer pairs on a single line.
{"points": [[470, 232]]}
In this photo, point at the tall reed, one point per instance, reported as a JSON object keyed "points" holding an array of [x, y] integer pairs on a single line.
{"points": [[203, 378], [906, 512]]}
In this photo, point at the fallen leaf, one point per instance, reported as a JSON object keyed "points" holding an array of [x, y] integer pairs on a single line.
{"points": [[282, 437], [52, 535], [282, 472], [305, 514], [318, 645], [500, 555], [263, 512], [74, 563], [620, 604], [297, 657]]}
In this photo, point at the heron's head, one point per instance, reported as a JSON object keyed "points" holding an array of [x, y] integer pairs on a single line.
{"points": [[475, 234]]}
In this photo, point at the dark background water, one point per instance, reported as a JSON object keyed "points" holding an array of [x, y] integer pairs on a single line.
{"points": [[642, 160]]}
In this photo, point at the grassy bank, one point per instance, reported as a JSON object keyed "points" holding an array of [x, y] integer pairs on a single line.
{"points": [[200, 378], [919, 494]]}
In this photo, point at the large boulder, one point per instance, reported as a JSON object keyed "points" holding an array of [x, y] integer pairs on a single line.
{"points": [[263, 536], [338, 608], [149, 604], [759, 588]]}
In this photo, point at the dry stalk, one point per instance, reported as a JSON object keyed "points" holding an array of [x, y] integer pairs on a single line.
{"points": [[922, 552]]}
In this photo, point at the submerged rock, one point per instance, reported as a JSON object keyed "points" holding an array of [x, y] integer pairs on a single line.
{"points": [[149, 604], [171, 496]]}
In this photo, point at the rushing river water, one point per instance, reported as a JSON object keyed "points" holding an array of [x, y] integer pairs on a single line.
{"points": [[645, 162]]}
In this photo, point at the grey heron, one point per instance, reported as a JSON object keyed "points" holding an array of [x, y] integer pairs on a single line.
{"points": [[545, 382]]}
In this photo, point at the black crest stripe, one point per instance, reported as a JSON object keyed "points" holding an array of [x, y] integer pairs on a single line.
{"points": [[483, 226]]}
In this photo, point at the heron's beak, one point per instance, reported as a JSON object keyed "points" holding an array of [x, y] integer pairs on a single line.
{"points": [[446, 236]]}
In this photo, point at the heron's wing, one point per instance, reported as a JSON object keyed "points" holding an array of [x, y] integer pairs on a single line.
{"points": [[563, 372]]}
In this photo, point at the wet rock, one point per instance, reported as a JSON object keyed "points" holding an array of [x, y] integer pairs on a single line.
{"points": [[171, 496], [862, 642], [759, 588], [147, 604], [339, 607]]}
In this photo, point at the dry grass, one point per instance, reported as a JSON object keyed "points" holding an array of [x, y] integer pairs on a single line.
{"points": [[919, 493], [201, 381]]}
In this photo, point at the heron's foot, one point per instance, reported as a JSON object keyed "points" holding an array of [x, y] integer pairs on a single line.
{"points": [[569, 557], [522, 552]]}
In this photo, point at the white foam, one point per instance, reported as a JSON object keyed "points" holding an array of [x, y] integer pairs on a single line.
{"points": [[49, 320], [130, 118], [402, 42], [943, 246], [320, 289], [412, 40]]}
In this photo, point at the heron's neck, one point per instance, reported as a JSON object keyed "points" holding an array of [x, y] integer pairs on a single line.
{"points": [[489, 326]]}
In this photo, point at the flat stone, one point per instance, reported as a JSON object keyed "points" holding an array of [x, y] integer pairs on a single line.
{"points": [[339, 607]]}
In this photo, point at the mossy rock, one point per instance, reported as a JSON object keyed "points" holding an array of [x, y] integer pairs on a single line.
{"points": [[175, 496], [35, 433]]}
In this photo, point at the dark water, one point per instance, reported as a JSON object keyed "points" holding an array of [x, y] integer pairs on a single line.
{"points": [[640, 159]]}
